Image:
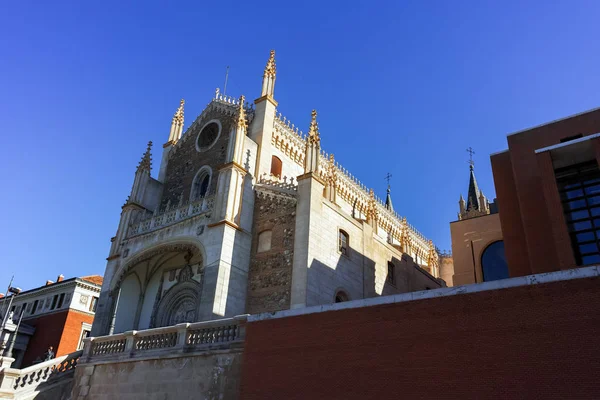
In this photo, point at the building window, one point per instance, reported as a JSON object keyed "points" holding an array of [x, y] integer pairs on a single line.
{"points": [[208, 136], [54, 300], [61, 299], [493, 262], [93, 304], [35, 306], [276, 166], [341, 296], [85, 333], [264, 241], [343, 240], [579, 188], [201, 183], [391, 273]]}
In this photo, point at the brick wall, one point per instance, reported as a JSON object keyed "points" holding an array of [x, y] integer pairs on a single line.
{"points": [[525, 342], [72, 331], [48, 332], [60, 330], [270, 274]]}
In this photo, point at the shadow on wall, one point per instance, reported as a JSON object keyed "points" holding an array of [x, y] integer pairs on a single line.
{"points": [[356, 276]]}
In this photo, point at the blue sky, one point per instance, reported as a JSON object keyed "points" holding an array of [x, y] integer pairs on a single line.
{"points": [[401, 87]]}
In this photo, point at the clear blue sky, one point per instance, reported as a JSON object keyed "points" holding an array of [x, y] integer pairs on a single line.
{"points": [[401, 87]]}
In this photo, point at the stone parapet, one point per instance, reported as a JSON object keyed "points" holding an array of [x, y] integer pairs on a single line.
{"points": [[221, 334]]}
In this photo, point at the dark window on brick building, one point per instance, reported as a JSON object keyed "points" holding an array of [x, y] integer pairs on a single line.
{"points": [[276, 166], [579, 187], [54, 300], [343, 240], [61, 299], [493, 262], [391, 274]]}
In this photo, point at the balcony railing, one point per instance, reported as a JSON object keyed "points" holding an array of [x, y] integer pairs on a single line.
{"points": [[186, 337], [171, 216], [22, 382]]}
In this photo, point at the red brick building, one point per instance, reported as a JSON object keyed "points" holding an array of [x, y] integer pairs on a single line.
{"points": [[547, 184], [58, 314], [548, 202]]}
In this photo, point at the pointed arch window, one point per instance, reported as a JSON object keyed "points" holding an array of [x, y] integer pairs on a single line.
{"points": [[276, 166], [341, 296], [201, 183]]}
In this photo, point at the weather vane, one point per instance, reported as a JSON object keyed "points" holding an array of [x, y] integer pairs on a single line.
{"points": [[471, 152]]}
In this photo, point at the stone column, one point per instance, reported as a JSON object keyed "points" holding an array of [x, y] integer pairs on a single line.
{"points": [[308, 214]]}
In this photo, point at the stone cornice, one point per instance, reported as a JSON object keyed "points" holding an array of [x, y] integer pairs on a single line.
{"points": [[232, 164], [310, 175], [268, 98]]}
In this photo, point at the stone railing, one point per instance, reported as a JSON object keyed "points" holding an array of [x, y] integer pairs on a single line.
{"points": [[171, 215], [38, 377], [277, 182], [288, 139], [186, 337]]}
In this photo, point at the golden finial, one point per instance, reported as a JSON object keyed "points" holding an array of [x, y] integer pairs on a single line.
{"points": [[178, 117], [270, 69], [242, 122], [372, 193], [313, 130]]}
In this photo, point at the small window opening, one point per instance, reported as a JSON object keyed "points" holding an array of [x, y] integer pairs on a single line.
{"points": [[391, 275], [341, 296], [35, 306], [93, 304], [264, 241], [276, 166], [343, 240], [61, 299]]}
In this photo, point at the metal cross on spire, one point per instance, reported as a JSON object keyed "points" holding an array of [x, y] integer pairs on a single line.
{"points": [[388, 177], [471, 152]]}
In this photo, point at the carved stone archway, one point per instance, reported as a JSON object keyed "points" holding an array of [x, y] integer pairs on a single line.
{"points": [[181, 302]]}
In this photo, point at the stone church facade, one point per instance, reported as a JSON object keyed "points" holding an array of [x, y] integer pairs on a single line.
{"points": [[249, 215]]}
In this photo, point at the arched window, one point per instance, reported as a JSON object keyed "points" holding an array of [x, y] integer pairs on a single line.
{"points": [[201, 184], [493, 262], [276, 165], [341, 296], [264, 241], [391, 273], [343, 242]]}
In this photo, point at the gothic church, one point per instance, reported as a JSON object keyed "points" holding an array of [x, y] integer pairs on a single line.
{"points": [[249, 215]]}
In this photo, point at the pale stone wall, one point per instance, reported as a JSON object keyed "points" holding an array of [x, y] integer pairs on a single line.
{"points": [[202, 376], [363, 272]]}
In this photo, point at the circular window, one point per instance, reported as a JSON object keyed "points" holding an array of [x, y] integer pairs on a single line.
{"points": [[208, 136]]}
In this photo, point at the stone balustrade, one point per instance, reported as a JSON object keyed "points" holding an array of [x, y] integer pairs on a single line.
{"points": [[183, 338], [277, 182], [171, 215], [20, 383]]}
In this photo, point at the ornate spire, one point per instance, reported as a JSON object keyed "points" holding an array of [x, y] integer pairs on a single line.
{"points": [[178, 117], [331, 175], [146, 162], [268, 83], [372, 208], [271, 68], [313, 130], [313, 146], [388, 200], [242, 121], [176, 125]]}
